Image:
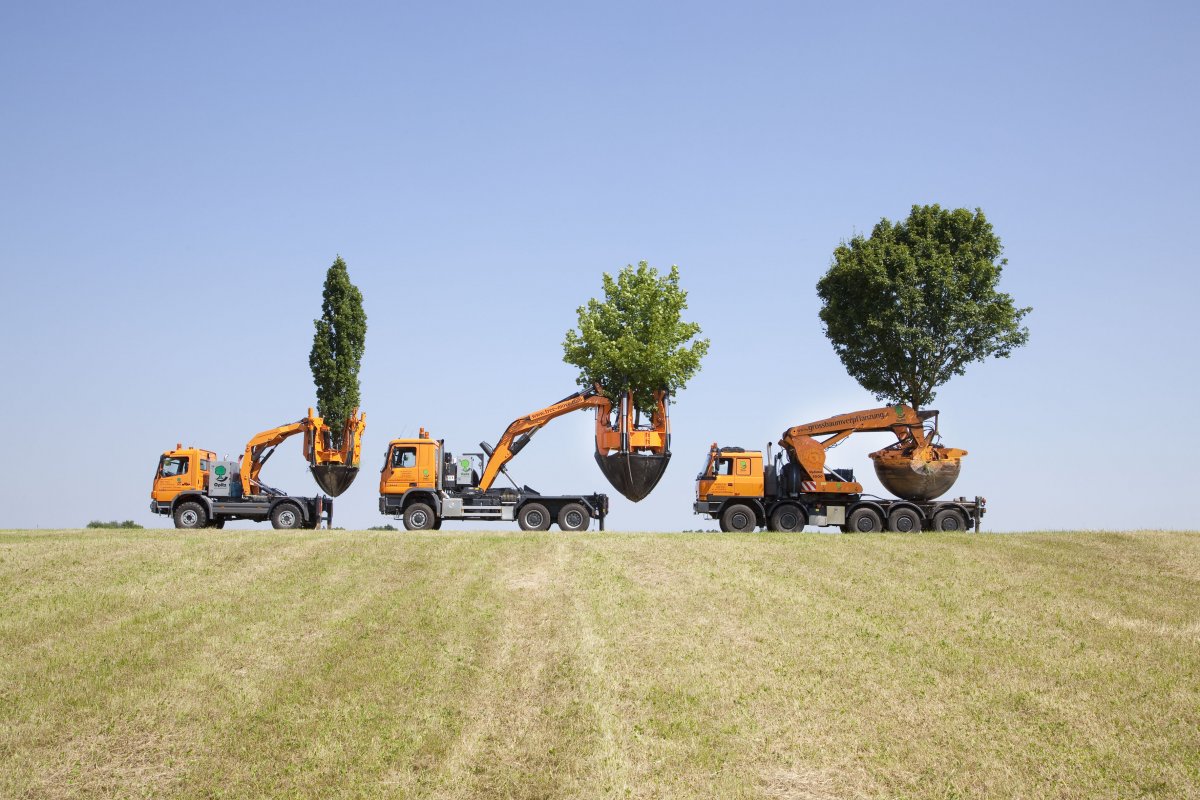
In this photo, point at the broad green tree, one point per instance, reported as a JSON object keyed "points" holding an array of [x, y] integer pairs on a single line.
{"points": [[635, 339], [909, 306], [337, 348]]}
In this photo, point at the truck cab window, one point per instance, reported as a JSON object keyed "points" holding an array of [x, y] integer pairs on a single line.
{"points": [[725, 466], [173, 467], [404, 457]]}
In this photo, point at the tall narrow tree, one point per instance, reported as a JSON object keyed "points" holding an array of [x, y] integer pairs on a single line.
{"points": [[337, 348]]}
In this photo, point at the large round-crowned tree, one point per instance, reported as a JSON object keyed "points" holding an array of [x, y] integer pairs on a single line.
{"points": [[635, 339], [909, 306], [337, 349]]}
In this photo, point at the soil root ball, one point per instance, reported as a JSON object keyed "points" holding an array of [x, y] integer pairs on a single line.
{"points": [[911, 479], [633, 474], [333, 478]]}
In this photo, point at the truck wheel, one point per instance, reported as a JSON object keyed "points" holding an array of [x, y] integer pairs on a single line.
{"points": [[190, 516], [534, 517], [949, 519], [788, 519], [419, 517], [738, 518], [285, 517], [864, 520], [904, 520], [217, 523], [574, 517]]}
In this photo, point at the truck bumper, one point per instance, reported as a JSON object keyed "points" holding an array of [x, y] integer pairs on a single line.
{"points": [[159, 508], [702, 507]]}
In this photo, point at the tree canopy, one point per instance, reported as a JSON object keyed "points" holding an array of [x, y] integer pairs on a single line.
{"points": [[337, 348], [635, 339], [909, 306]]}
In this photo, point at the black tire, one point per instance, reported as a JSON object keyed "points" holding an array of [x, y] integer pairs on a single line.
{"points": [[864, 520], [574, 517], [190, 516], [286, 517], [904, 520], [738, 518], [533, 517], [217, 523], [419, 517], [788, 519], [949, 519]]}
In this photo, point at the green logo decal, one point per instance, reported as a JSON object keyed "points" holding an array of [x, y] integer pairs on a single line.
{"points": [[220, 472]]}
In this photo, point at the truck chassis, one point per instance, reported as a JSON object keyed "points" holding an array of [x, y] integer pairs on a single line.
{"points": [[852, 513]]}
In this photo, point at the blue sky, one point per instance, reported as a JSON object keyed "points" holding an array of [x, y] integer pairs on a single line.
{"points": [[177, 179]]}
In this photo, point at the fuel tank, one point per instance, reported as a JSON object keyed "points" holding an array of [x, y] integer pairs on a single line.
{"points": [[333, 478], [633, 474]]}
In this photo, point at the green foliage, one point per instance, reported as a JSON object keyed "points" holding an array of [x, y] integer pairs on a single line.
{"points": [[388, 527], [128, 524], [338, 347], [911, 305], [635, 339]]}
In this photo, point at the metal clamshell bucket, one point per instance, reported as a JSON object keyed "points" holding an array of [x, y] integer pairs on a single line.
{"points": [[914, 479], [633, 474], [333, 478]]}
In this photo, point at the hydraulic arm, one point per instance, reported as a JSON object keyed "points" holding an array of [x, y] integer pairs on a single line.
{"points": [[914, 448], [333, 467]]}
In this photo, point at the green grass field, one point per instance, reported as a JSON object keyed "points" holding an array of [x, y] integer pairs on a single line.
{"points": [[346, 664]]}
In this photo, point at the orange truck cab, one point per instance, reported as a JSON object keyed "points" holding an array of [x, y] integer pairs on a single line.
{"points": [[423, 484]]}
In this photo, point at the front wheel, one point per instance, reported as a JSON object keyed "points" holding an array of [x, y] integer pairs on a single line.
{"points": [[533, 517], [788, 519], [419, 517], [738, 518], [574, 517], [286, 517], [190, 515]]}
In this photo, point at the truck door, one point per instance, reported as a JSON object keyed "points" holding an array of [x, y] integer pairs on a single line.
{"points": [[403, 474], [173, 476]]}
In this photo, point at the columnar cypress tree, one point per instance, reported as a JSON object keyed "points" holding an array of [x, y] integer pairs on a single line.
{"points": [[338, 347]]}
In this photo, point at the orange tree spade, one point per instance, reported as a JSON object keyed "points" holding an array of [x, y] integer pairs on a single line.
{"points": [[337, 349], [909, 306], [635, 339]]}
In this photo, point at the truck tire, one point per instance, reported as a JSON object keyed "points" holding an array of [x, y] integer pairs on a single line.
{"points": [[419, 517], [216, 523], [286, 517], [574, 517], [788, 519], [904, 520], [864, 520], [533, 517], [190, 515], [738, 519], [949, 519]]}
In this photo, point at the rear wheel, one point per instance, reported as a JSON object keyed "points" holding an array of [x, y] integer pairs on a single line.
{"points": [[904, 520], [190, 515], [574, 517], [949, 519], [738, 518], [419, 517], [864, 520], [788, 519], [534, 517], [217, 523], [286, 516]]}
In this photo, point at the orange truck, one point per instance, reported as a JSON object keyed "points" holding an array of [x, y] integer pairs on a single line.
{"points": [[423, 484], [197, 490], [747, 489]]}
